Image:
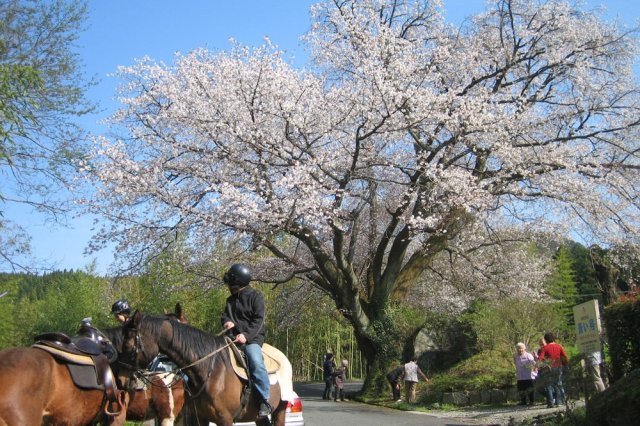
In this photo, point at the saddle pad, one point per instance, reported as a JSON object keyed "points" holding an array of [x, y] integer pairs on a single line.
{"points": [[81, 368], [278, 367], [66, 356], [84, 376], [271, 364]]}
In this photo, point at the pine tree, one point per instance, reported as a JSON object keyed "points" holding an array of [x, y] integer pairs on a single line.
{"points": [[561, 284]]}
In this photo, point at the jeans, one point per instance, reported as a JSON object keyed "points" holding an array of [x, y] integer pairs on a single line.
{"points": [[258, 371], [555, 386]]}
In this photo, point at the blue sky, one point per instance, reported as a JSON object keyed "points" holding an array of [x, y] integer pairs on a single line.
{"points": [[119, 31]]}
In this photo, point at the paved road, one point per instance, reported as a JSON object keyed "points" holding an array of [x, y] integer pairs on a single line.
{"points": [[318, 412]]}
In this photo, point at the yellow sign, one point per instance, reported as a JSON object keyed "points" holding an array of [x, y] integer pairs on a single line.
{"points": [[587, 319]]}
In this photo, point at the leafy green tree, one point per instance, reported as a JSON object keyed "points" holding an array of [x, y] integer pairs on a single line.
{"points": [[584, 273], [561, 285], [42, 90], [69, 297], [52, 302], [499, 325], [9, 328]]}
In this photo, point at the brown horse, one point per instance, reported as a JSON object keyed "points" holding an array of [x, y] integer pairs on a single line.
{"points": [[216, 389], [161, 397], [152, 394], [38, 389]]}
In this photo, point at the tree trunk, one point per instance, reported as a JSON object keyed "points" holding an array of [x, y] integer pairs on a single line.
{"points": [[606, 275], [379, 344]]}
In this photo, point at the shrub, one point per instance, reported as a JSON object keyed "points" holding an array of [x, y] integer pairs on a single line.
{"points": [[617, 405], [486, 370], [622, 322]]}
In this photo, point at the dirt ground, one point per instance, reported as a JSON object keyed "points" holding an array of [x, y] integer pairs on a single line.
{"points": [[506, 415]]}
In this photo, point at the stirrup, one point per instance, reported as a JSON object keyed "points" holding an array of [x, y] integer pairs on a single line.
{"points": [[264, 410]]}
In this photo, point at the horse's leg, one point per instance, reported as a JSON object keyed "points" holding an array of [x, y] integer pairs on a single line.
{"points": [[279, 414], [162, 402]]}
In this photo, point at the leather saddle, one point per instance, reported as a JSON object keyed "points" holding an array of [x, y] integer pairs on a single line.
{"points": [[87, 357], [239, 362]]}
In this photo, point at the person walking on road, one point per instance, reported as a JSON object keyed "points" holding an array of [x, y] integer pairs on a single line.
{"points": [[411, 371], [340, 376], [554, 354], [525, 373], [328, 367]]}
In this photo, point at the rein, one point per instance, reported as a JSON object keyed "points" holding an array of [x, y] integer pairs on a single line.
{"points": [[146, 377], [140, 347], [205, 357]]}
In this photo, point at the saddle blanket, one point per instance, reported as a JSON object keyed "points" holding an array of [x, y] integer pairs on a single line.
{"points": [[278, 367], [81, 367]]}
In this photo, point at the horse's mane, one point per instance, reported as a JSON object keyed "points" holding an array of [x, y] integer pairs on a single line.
{"points": [[191, 342], [114, 335]]}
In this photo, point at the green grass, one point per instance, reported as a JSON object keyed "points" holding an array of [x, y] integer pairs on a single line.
{"points": [[487, 370]]}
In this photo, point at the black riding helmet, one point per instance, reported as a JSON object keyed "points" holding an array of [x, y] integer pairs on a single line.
{"points": [[121, 307], [238, 275]]}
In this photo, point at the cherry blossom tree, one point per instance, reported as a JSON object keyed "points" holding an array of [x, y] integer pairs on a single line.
{"points": [[403, 132], [485, 265]]}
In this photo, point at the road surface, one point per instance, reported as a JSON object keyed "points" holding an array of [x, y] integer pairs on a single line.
{"points": [[318, 412]]}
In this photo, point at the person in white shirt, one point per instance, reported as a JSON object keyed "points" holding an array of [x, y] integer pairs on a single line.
{"points": [[593, 361], [411, 371]]}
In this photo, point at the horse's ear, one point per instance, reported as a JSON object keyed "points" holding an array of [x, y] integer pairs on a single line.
{"points": [[137, 317], [178, 310], [164, 310]]}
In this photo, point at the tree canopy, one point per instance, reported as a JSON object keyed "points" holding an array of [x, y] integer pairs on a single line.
{"points": [[41, 92], [404, 136]]}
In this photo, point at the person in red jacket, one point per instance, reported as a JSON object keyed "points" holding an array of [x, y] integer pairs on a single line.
{"points": [[554, 356]]}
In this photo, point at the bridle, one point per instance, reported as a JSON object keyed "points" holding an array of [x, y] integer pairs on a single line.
{"points": [[131, 357]]}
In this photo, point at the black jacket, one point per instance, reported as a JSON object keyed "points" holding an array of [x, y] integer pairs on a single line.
{"points": [[396, 375], [327, 368], [246, 309]]}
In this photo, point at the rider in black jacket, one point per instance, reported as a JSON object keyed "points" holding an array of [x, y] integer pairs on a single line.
{"points": [[244, 316]]}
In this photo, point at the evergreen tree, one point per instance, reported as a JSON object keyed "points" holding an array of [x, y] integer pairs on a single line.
{"points": [[584, 274], [561, 285]]}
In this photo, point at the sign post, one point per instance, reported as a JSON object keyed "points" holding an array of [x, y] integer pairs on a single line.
{"points": [[587, 320]]}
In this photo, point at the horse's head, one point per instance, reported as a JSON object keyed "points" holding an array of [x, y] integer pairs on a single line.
{"points": [[138, 347]]}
